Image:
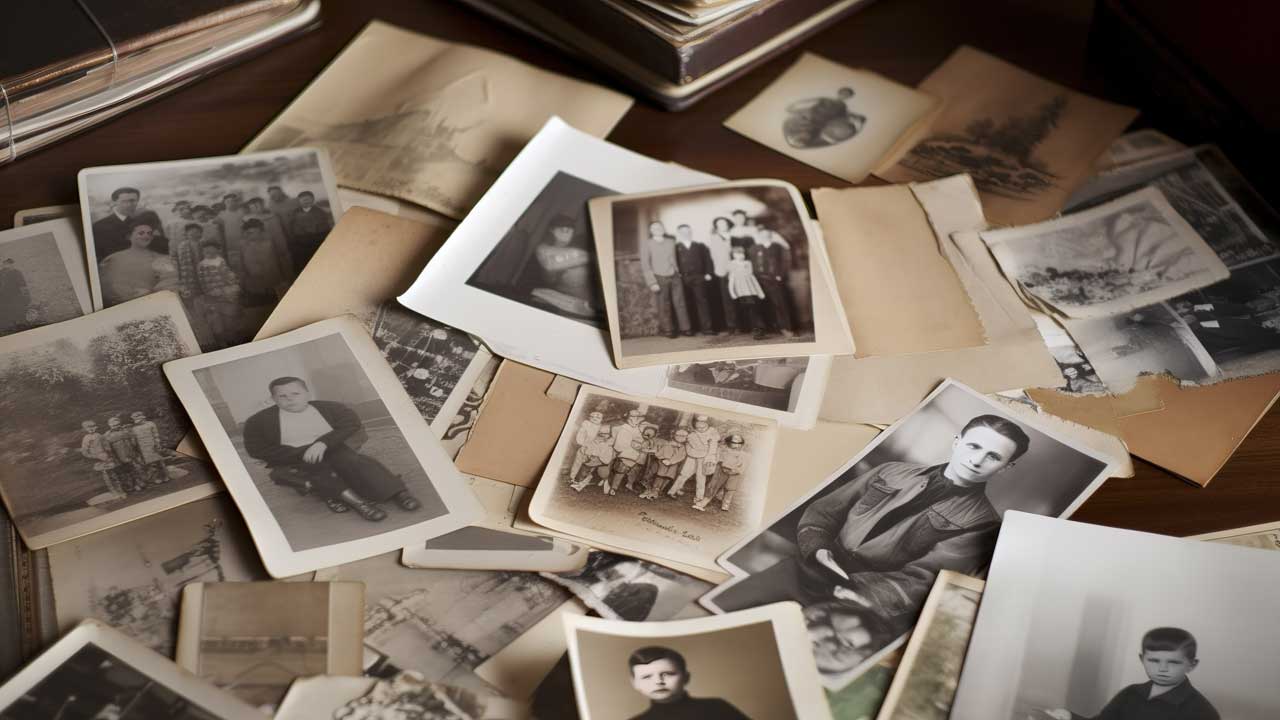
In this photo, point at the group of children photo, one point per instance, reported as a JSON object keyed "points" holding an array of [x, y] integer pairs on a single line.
{"points": [[129, 455]]}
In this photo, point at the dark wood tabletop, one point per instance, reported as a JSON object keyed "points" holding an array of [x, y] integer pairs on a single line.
{"points": [[901, 39]]}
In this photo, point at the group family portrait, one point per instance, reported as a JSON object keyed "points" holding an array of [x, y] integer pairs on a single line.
{"points": [[229, 235], [112, 459], [861, 552], [661, 474]]}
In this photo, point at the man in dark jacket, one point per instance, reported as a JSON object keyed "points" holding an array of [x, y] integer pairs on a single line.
{"points": [[693, 259], [111, 233], [771, 262], [304, 443]]}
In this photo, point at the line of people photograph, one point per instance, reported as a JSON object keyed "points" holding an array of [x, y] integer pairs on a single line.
{"points": [[130, 455]]}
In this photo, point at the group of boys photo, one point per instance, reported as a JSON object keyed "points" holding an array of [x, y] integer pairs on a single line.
{"points": [[129, 455], [640, 457]]}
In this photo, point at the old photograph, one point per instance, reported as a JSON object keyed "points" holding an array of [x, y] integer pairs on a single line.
{"points": [[1136, 146], [324, 453], [861, 551], [663, 478], [1208, 192], [131, 576], [1264, 537], [43, 214], [1131, 252], [547, 259], [841, 120], [1078, 374], [925, 683], [1237, 321], [405, 696], [505, 276], [723, 272], [443, 623], [92, 424], [1075, 622], [410, 116], [787, 389], [95, 673], [694, 668], [1152, 340], [619, 587], [228, 234], [437, 364], [42, 276], [1026, 142], [255, 638], [487, 548]]}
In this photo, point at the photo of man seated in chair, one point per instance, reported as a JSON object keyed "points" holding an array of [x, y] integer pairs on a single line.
{"points": [[308, 445]]}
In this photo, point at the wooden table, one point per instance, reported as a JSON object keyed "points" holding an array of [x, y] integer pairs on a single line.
{"points": [[902, 39]]}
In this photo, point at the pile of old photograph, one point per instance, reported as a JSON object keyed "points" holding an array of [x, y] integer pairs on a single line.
{"points": [[456, 427]]}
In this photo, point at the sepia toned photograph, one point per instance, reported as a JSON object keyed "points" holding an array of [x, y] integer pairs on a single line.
{"points": [[619, 587], [42, 276], [841, 120], [443, 623], [1208, 192], [1264, 537], [662, 478], [787, 389], [715, 273], [324, 453], [1129, 253], [1074, 623], [1152, 340], [547, 260], [95, 673], [1134, 147], [405, 696], [862, 550], [255, 638], [228, 234], [413, 117], [1026, 142], [92, 424], [1237, 321], [505, 277], [487, 548], [925, 682], [131, 576], [694, 668], [44, 214]]}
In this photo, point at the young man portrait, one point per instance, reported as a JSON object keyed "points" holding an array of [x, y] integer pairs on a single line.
{"points": [[660, 674]]}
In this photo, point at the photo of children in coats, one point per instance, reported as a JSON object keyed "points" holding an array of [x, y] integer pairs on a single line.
{"points": [[229, 235], [862, 551], [114, 449], [1085, 622], [722, 267], [547, 259], [321, 447]]}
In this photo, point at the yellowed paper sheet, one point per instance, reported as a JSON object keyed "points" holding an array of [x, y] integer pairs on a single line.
{"points": [[413, 117], [836, 118], [517, 427], [1028, 142]]}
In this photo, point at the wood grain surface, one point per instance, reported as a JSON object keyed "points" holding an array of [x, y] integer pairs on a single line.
{"points": [[902, 39]]}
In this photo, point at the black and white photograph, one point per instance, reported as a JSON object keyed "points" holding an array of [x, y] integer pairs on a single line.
{"points": [[1128, 253], [42, 276], [861, 551], [255, 638], [787, 389], [43, 214], [695, 669], [228, 234], [488, 548], [658, 477], [1237, 321], [324, 453], [723, 272], [924, 685], [547, 260], [405, 696], [1088, 621], [131, 576], [620, 587], [443, 623], [1208, 192], [839, 119], [94, 673], [1151, 340], [1078, 374], [92, 424], [520, 270]]}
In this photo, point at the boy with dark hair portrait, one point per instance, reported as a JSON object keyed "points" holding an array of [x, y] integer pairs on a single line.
{"points": [[660, 674]]}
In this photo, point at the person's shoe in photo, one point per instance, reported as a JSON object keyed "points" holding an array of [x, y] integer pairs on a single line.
{"points": [[406, 501], [758, 335], [709, 332], [337, 506], [687, 333]]}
